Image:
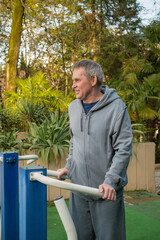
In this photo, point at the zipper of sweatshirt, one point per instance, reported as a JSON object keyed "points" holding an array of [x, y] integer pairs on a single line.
{"points": [[85, 145]]}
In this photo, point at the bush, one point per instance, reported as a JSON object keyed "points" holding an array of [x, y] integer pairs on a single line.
{"points": [[9, 142], [31, 111], [9, 120], [51, 138]]}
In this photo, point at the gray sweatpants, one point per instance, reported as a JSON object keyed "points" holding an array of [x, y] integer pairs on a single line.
{"points": [[98, 218]]}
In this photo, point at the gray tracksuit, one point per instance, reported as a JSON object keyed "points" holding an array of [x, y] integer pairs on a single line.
{"points": [[100, 150], [101, 141]]}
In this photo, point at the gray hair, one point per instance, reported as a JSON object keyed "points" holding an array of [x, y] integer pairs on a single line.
{"points": [[91, 69]]}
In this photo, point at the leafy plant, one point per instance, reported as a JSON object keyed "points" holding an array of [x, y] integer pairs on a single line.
{"points": [[138, 134], [30, 111], [51, 138], [9, 141], [37, 89], [9, 119]]}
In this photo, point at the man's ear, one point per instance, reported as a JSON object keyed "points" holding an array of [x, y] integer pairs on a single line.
{"points": [[94, 81]]}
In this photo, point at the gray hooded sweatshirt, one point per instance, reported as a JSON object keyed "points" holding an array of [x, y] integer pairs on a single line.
{"points": [[101, 142]]}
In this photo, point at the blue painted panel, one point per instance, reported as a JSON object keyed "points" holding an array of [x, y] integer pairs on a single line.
{"points": [[33, 205], [9, 196]]}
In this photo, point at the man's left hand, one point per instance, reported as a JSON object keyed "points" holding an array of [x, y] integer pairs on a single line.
{"points": [[108, 191]]}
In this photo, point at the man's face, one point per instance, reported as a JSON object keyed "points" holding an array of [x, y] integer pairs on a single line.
{"points": [[81, 85]]}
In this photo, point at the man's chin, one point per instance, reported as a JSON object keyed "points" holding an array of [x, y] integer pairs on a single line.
{"points": [[78, 97]]}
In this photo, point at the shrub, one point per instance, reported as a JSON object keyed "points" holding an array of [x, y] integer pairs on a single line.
{"points": [[9, 142], [9, 120], [51, 138], [31, 111]]}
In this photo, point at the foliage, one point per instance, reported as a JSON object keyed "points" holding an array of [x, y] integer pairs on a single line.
{"points": [[9, 119], [152, 32], [57, 33], [34, 100], [30, 111], [141, 84], [131, 64], [38, 89], [5, 26], [9, 141], [142, 97], [51, 138], [138, 134]]}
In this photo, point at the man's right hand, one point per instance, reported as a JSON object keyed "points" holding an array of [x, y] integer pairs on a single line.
{"points": [[62, 171]]}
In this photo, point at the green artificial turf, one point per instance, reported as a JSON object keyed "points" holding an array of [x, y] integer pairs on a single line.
{"points": [[142, 222], [55, 229]]}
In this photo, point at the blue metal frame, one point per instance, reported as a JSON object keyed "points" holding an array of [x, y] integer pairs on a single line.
{"points": [[33, 205], [9, 196]]}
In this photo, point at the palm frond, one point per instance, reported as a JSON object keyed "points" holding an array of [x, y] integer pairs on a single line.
{"points": [[51, 138]]}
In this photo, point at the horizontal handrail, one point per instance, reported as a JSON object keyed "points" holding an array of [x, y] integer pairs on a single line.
{"points": [[37, 176], [55, 174], [30, 158], [27, 157]]}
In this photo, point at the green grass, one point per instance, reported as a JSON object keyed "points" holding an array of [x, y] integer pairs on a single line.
{"points": [[55, 229], [142, 222]]}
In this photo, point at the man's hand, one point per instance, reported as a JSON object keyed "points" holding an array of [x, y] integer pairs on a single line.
{"points": [[108, 191], [62, 171]]}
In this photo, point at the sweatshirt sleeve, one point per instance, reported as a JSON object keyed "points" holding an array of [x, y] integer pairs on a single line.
{"points": [[122, 145], [69, 159]]}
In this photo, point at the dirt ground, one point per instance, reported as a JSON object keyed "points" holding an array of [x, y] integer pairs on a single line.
{"points": [[143, 196], [139, 197]]}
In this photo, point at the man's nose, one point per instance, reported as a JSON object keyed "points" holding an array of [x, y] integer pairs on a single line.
{"points": [[73, 85]]}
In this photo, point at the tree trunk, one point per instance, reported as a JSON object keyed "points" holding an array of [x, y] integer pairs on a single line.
{"points": [[14, 45]]}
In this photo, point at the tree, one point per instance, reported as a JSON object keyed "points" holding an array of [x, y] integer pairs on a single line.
{"points": [[14, 45], [5, 25], [59, 33]]}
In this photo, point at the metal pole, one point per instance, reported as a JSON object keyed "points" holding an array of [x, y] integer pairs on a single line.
{"points": [[65, 185], [55, 174], [30, 158], [33, 205], [66, 218], [9, 196]]}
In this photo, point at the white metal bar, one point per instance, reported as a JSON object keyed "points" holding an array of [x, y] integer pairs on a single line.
{"points": [[28, 157], [66, 218], [31, 161], [31, 158], [52, 173], [35, 176], [55, 174]]}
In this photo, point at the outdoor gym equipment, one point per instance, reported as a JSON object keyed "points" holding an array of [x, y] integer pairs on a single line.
{"points": [[24, 202]]}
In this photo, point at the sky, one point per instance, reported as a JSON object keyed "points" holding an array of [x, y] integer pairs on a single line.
{"points": [[152, 8]]}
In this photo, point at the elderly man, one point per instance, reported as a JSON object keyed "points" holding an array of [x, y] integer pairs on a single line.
{"points": [[100, 149]]}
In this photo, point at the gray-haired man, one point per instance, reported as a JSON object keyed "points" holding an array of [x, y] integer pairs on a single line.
{"points": [[100, 149]]}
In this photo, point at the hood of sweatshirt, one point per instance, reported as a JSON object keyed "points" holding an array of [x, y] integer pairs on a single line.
{"points": [[109, 95]]}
